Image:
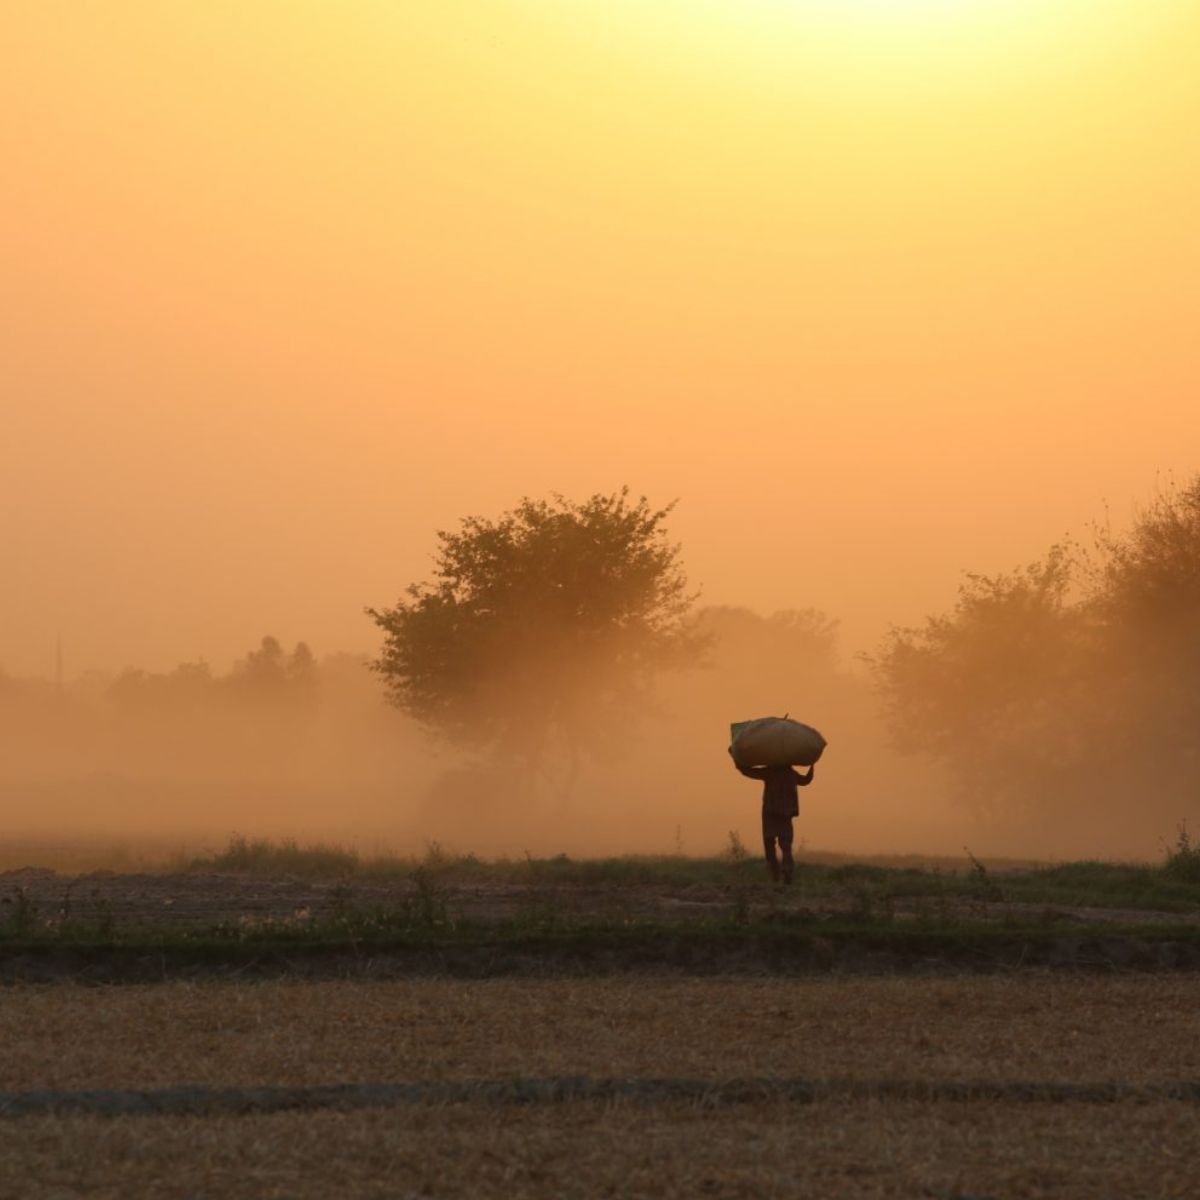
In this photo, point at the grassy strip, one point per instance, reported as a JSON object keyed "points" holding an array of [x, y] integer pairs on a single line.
{"points": [[1173, 886], [334, 949], [427, 913]]}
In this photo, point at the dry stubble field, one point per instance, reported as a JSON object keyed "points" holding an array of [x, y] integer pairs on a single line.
{"points": [[857, 1034]]}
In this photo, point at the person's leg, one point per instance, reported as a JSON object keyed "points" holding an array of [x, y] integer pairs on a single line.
{"points": [[769, 852], [785, 844]]}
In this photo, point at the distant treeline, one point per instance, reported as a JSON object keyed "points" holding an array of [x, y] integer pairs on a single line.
{"points": [[271, 712], [272, 699], [1061, 699]]}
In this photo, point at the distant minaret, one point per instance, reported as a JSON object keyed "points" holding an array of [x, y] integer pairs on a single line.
{"points": [[58, 670]]}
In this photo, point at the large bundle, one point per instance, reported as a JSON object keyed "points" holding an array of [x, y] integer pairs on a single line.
{"points": [[775, 742]]}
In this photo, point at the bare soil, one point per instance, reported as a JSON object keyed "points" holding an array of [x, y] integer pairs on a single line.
{"points": [[945, 1152], [1043, 1027], [1032, 1027]]}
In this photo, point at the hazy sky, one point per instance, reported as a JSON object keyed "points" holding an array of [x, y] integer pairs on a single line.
{"points": [[879, 290]]}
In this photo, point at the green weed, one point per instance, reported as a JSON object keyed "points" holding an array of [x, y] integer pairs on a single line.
{"points": [[20, 913], [1183, 860]]}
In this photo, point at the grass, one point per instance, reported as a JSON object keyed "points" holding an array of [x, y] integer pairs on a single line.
{"points": [[693, 914], [408, 945], [1183, 859], [1170, 886], [269, 859], [1084, 884], [1173, 886]]}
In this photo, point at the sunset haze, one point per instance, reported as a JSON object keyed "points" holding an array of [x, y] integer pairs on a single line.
{"points": [[880, 291]]}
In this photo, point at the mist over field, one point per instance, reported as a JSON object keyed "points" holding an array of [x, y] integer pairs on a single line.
{"points": [[879, 300], [314, 753], [292, 744], [599, 597], [554, 688]]}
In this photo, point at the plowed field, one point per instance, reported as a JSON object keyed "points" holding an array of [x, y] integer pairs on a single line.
{"points": [[861, 1040]]}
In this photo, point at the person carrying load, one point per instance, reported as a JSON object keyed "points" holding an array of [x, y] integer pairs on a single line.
{"points": [[776, 743]]}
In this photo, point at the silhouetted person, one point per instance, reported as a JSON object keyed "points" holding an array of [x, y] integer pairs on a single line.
{"points": [[780, 804]]}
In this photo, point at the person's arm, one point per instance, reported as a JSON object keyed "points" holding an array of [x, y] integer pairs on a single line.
{"points": [[749, 772], [804, 780]]}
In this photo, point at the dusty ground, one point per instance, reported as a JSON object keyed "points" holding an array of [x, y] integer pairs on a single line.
{"points": [[580, 1152], [1134, 1029], [1027, 1027], [194, 901], [862, 1039]]}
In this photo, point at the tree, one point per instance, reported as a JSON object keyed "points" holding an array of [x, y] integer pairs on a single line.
{"points": [[1146, 598], [268, 675], [1069, 687], [542, 630], [987, 689], [262, 671]]}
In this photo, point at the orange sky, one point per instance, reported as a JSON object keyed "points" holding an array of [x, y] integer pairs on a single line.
{"points": [[881, 290]]}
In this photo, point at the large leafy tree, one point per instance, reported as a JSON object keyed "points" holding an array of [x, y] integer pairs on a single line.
{"points": [[989, 687], [1145, 598], [541, 631], [1070, 688]]}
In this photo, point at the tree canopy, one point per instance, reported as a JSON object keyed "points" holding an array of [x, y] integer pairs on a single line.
{"points": [[541, 630], [1067, 683]]}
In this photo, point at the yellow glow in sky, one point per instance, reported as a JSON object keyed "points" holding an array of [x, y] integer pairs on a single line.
{"points": [[877, 44], [287, 287]]}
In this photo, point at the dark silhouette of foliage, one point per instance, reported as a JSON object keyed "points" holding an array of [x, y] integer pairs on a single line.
{"points": [[1146, 599], [269, 675], [1072, 685], [988, 687], [266, 677], [541, 630]]}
